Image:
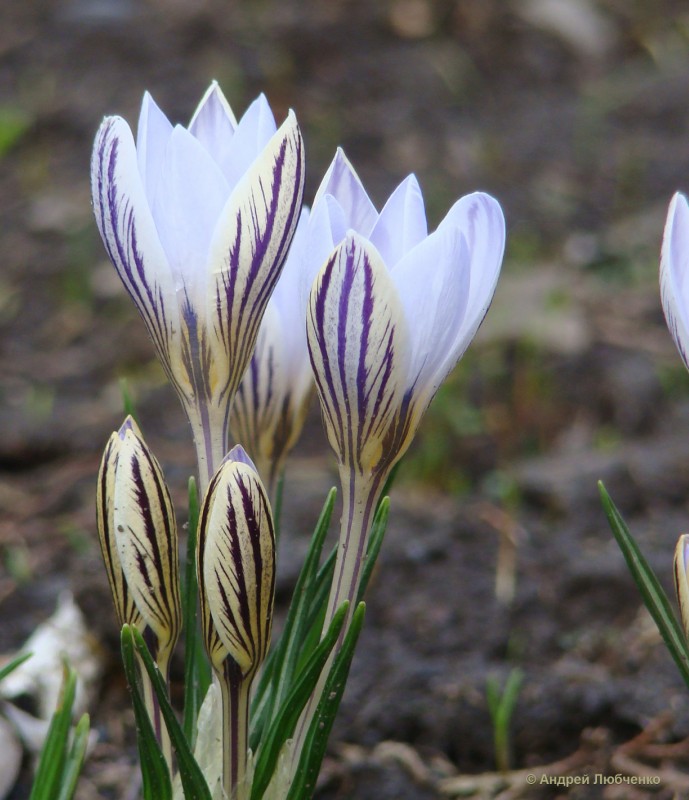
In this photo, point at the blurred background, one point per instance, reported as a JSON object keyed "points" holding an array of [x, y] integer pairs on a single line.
{"points": [[574, 114]]}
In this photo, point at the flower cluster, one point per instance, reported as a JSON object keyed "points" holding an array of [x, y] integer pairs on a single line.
{"points": [[251, 301]]}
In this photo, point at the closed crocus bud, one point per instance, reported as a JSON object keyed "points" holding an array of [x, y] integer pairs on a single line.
{"points": [[674, 274], [271, 404], [236, 566], [682, 579], [138, 537], [235, 562], [198, 222]]}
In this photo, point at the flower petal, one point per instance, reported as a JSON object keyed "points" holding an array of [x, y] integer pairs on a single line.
{"points": [[236, 564], [126, 225], [146, 536], [674, 274], [192, 193], [402, 222], [358, 346], [125, 608], [433, 284], [214, 124], [254, 131], [342, 182], [479, 217], [152, 135], [250, 243]]}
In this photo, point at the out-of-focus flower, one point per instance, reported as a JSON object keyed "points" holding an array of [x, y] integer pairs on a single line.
{"points": [[674, 274], [138, 538], [682, 579], [272, 400], [236, 565], [197, 222]]}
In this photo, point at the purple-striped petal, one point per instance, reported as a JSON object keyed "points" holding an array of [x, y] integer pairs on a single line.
{"points": [[146, 537], [249, 247], [359, 352], [236, 568], [128, 230], [674, 274]]}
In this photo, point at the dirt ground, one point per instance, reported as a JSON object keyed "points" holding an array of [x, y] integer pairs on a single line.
{"points": [[575, 116]]}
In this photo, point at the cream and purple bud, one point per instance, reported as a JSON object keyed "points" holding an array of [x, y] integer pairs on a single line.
{"points": [[138, 537], [682, 579], [198, 221], [236, 566]]}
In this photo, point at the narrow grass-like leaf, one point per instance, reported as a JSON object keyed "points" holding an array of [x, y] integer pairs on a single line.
{"points": [[197, 672], [157, 784], [652, 592], [501, 705], [284, 721], [193, 782], [75, 759], [282, 663], [316, 740], [380, 522], [128, 404], [16, 662], [51, 765]]}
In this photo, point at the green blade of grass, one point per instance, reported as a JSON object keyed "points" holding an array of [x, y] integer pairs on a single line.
{"points": [[16, 662], [317, 736], [654, 597], [281, 668], [157, 784], [75, 759], [193, 782], [52, 761], [285, 720]]}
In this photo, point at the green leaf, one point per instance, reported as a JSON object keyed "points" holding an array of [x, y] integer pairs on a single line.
{"points": [[317, 736], [197, 675], [193, 782], [380, 523], [281, 664], [127, 401], [52, 761], [5, 671], [75, 759], [154, 772], [651, 591], [285, 720]]}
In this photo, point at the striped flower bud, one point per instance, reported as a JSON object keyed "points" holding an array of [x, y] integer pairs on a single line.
{"points": [[236, 565], [682, 579], [138, 537]]}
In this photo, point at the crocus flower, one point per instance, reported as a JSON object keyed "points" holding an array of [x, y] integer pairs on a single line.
{"points": [[390, 314], [674, 274], [236, 575], [138, 538], [197, 222], [272, 400]]}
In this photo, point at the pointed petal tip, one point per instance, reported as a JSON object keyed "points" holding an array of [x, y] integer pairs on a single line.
{"points": [[239, 454]]}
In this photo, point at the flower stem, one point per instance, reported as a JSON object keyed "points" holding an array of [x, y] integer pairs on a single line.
{"points": [[153, 708], [235, 693]]}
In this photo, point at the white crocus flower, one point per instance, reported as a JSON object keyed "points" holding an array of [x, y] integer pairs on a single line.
{"points": [[198, 222], [391, 312]]}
